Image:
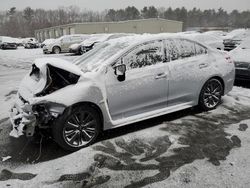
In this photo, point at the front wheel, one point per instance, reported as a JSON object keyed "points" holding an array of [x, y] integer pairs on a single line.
{"points": [[56, 50], [78, 127], [211, 94]]}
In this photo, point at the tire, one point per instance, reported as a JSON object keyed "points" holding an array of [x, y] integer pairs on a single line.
{"points": [[211, 94], [77, 127], [81, 51], [56, 50]]}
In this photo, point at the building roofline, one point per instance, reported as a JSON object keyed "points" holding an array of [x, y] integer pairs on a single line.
{"points": [[117, 22]]}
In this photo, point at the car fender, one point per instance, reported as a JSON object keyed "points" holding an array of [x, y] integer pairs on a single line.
{"points": [[82, 92]]}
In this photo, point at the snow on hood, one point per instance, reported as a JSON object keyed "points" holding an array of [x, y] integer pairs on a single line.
{"points": [[237, 34], [60, 63], [242, 52], [74, 46], [9, 40], [240, 55], [245, 43], [95, 38]]}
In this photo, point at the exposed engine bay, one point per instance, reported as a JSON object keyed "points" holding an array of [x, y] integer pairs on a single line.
{"points": [[27, 117]]}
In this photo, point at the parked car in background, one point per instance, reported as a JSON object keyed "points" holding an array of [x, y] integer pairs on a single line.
{"points": [[208, 39], [216, 33], [234, 38], [47, 42], [90, 41], [98, 38], [62, 44], [119, 82], [241, 57], [30, 43], [7, 43], [76, 47]]}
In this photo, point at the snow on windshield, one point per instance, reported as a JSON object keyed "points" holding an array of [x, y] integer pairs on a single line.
{"points": [[99, 54]]}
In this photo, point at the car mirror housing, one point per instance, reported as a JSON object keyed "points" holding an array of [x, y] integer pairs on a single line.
{"points": [[120, 71]]}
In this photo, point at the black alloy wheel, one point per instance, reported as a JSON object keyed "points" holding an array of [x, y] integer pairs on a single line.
{"points": [[211, 94], [77, 127]]}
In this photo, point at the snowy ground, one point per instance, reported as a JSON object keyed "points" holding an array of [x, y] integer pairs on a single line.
{"points": [[184, 149]]}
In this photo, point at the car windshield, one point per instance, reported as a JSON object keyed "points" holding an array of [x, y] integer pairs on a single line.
{"points": [[95, 57]]}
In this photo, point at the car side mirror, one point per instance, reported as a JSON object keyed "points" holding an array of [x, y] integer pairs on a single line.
{"points": [[120, 71]]}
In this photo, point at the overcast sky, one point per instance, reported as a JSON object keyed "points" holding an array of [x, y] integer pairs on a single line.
{"points": [[107, 4]]}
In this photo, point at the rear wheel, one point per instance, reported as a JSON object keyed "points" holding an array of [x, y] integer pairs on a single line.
{"points": [[78, 127], [56, 50], [211, 93]]}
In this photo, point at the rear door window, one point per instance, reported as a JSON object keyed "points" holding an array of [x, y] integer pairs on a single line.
{"points": [[186, 48], [171, 50], [66, 39], [148, 54], [76, 38]]}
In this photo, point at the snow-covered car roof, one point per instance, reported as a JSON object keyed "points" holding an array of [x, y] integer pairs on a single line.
{"points": [[238, 34], [242, 52], [102, 37], [9, 39], [204, 37], [48, 41], [245, 43], [112, 49], [95, 38], [216, 33], [73, 35]]}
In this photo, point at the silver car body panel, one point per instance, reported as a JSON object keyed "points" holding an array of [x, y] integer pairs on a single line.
{"points": [[147, 92]]}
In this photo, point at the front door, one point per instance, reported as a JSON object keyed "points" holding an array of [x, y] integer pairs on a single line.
{"points": [[145, 86]]}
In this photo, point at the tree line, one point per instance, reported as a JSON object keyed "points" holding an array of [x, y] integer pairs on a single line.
{"points": [[23, 23]]}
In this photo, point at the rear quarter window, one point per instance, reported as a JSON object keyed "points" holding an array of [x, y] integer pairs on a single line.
{"points": [[172, 52], [186, 48], [199, 49]]}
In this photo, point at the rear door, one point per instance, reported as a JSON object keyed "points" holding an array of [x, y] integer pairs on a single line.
{"points": [[145, 87], [66, 41], [188, 65]]}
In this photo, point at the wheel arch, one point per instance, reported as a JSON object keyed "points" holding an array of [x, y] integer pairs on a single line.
{"points": [[94, 106], [221, 80], [213, 77], [56, 46]]}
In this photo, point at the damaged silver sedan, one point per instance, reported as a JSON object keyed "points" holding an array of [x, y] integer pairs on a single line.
{"points": [[119, 82]]}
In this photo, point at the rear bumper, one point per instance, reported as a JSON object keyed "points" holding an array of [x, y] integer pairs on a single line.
{"points": [[242, 74], [9, 46], [46, 50]]}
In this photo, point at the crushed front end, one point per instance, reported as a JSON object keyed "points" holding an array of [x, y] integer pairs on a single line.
{"points": [[29, 113], [27, 119], [22, 118]]}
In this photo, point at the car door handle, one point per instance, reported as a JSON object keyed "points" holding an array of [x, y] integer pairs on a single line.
{"points": [[203, 65], [161, 75]]}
